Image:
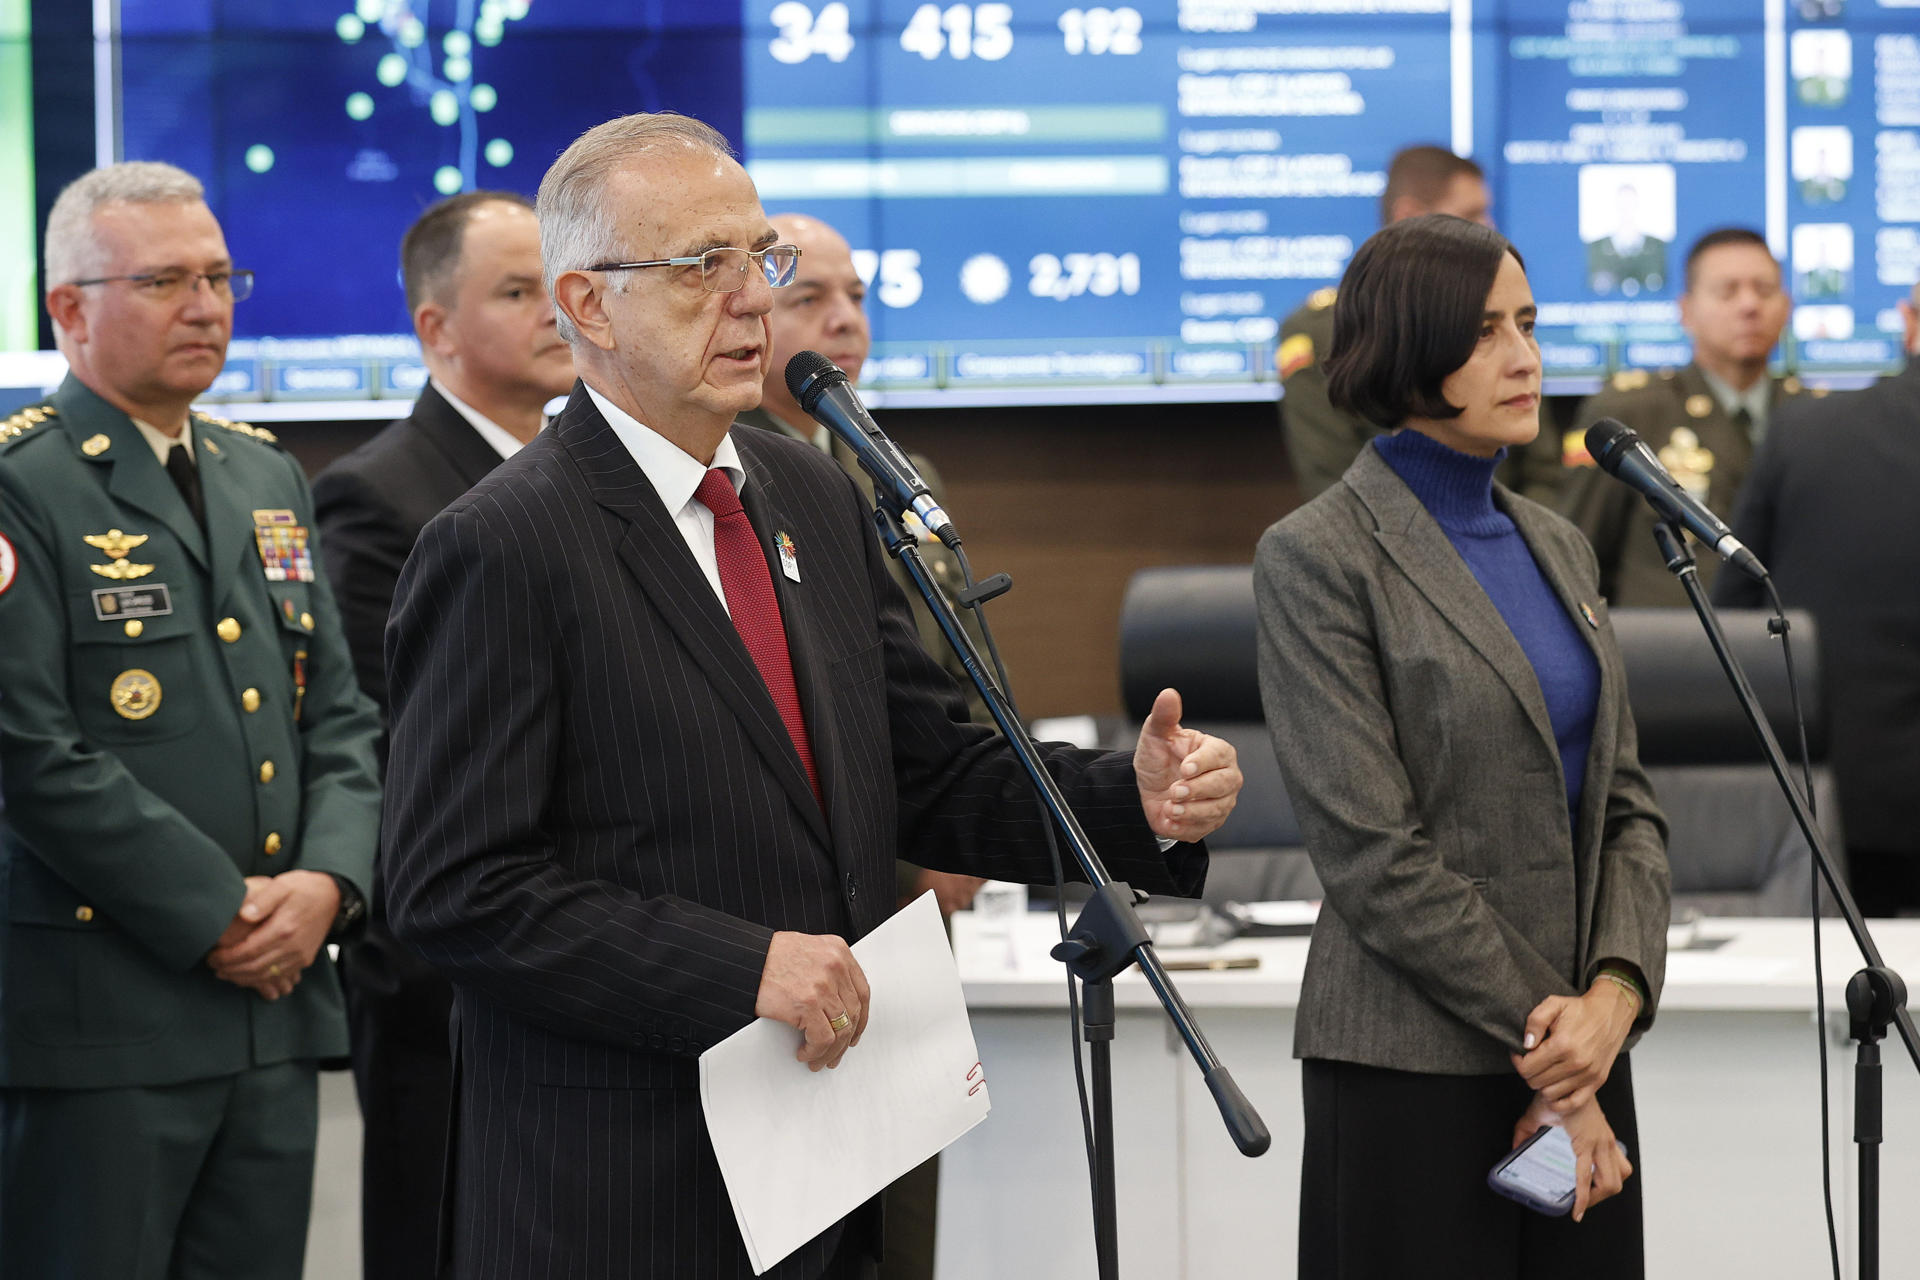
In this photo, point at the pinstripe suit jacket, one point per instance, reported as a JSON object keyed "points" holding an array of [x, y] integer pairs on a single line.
{"points": [[1417, 750], [596, 821]]}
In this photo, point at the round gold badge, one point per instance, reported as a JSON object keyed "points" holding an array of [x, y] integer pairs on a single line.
{"points": [[1699, 406], [136, 694]]}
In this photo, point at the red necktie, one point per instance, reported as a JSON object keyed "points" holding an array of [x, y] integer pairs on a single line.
{"points": [[748, 586]]}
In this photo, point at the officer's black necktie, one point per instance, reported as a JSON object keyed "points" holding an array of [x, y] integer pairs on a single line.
{"points": [[186, 478]]}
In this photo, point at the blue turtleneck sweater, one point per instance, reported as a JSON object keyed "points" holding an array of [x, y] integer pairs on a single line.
{"points": [[1457, 490]]}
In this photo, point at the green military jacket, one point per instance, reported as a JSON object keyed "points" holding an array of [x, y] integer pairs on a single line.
{"points": [[1679, 418], [1610, 271], [177, 711], [1323, 441]]}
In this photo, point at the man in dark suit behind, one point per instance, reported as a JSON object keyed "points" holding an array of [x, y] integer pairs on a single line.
{"points": [[471, 267], [660, 723], [1830, 510]]}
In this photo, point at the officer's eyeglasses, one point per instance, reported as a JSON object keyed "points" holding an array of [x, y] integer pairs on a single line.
{"points": [[728, 269], [164, 286]]}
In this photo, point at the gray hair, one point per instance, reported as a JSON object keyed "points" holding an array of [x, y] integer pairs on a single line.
{"points": [[576, 228], [73, 250]]}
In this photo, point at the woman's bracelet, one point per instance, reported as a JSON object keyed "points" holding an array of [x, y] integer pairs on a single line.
{"points": [[1626, 983]]}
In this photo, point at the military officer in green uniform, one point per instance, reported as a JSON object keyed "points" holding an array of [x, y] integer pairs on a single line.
{"points": [[190, 799], [824, 310], [1703, 421], [1322, 441], [1627, 265]]}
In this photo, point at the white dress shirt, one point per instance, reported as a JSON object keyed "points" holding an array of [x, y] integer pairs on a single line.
{"points": [[675, 474], [499, 437]]}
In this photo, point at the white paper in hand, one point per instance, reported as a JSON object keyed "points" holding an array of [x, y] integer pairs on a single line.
{"points": [[802, 1149]]}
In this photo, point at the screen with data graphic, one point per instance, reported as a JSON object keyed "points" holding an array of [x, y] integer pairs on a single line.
{"points": [[1053, 199]]}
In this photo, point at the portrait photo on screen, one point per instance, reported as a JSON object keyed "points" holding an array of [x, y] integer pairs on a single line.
{"points": [[1822, 260], [1822, 162], [1626, 223], [1821, 63]]}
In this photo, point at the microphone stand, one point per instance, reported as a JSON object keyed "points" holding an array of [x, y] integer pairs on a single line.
{"points": [[1876, 996], [1106, 938]]}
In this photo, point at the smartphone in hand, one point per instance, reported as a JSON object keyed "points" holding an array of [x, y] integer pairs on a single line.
{"points": [[1539, 1173]]}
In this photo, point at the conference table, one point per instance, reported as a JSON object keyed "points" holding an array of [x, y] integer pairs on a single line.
{"points": [[1727, 1085]]}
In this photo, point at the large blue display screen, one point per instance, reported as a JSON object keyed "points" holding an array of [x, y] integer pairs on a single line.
{"points": [[1050, 194]]}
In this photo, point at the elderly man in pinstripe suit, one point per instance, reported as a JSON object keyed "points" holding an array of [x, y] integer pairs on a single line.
{"points": [[660, 722]]}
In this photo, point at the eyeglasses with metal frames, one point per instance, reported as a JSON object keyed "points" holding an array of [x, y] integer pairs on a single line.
{"points": [[725, 270], [162, 286]]}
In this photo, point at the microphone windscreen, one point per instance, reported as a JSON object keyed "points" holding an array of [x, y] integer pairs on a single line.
{"points": [[809, 374], [1605, 440]]}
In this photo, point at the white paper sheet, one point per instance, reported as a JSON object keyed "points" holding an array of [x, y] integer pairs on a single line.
{"points": [[801, 1149]]}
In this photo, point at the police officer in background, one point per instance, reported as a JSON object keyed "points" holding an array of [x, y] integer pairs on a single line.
{"points": [[1703, 421], [1323, 441], [191, 807], [471, 268], [824, 310]]}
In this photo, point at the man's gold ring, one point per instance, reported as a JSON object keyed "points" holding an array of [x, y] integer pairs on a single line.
{"points": [[840, 1022], [273, 971]]}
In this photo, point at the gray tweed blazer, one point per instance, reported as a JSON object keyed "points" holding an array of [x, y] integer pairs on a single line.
{"points": [[1415, 745]]}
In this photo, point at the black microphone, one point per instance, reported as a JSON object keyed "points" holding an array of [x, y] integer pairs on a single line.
{"points": [[824, 394], [1620, 452]]}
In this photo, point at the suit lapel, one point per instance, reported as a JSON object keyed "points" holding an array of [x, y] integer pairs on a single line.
{"points": [[470, 456], [229, 517], [137, 479], [770, 517], [1420, 547], [657, 556], [1536, 528]]}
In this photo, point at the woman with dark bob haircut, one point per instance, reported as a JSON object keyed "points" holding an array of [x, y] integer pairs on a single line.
{"points": [[1450, 713]]}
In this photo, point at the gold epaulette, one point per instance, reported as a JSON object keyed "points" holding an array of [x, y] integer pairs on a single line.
{"points": [[25, 420], [1630, 379], [239, 428], [1321, 299]]}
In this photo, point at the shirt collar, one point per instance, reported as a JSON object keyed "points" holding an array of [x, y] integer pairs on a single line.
{"points": [[1756, 399], [161, 443], [673, 472], [503, 441]]}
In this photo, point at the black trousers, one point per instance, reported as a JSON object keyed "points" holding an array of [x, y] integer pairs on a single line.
{"points": [[398, 1008], [1394, 1182]]}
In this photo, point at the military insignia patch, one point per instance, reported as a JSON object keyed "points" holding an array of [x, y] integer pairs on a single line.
{"points": [[1586, 611], [789, 562], [9, 564], [95, 445], [1699, 406], [116, 546], [1690, 463], [1296, 353], [135, 694], [283, 546]]}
